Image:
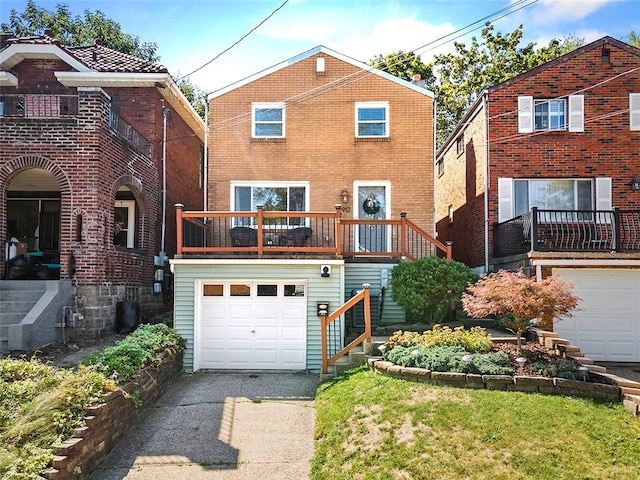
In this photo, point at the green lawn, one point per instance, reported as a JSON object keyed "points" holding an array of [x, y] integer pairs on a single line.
{"points": [[370, 426]]}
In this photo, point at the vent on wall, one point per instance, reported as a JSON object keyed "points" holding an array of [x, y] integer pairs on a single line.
{"points": [[320, 65]]}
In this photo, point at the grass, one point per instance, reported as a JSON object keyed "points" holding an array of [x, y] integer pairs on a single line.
{"points": [[369, 426]]}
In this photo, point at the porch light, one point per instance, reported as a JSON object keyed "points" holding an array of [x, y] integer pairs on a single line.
{"points": [[635, 183], [344, 195]]}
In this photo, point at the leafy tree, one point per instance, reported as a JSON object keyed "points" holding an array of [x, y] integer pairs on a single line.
{"points": [[465, 74], [405, 65], [634, 39], [78, 30], [194, 94], [428, 288], [459, 78], [518, 299]]}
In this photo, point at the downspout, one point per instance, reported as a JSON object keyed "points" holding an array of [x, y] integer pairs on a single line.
{"points": [[486, 182], [433, 164], [165, 112], [205, 166]]}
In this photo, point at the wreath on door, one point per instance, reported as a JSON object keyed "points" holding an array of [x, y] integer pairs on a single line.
{"points": [[371, 205]]}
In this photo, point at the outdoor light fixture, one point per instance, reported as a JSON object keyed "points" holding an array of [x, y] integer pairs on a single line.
{"points": [[635, 183], [467, 359], [584, 372], [382, 348], [521, 361], [344, 195]]}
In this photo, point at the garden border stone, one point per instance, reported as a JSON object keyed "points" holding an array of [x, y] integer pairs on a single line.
{"points": [[556, 386], [76, 457]]}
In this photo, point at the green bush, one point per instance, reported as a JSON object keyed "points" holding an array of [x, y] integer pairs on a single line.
{"points": [[449, 359], [473, 340], [41, 404], [142, 348], [561, 367], [428, 288]]}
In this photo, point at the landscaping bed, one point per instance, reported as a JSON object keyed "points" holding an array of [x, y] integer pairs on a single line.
{"points": [[60, 422]]}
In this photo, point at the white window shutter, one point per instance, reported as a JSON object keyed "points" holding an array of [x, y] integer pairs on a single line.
{"points": [[576, 113], [603, 193], [525, 114], [505, 199], [634, 111]]}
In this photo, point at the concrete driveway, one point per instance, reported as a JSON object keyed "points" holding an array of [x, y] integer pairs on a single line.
{"points": [[221, 426]]}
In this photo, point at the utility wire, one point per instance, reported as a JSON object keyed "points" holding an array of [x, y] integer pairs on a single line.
{"points": [[236, 42], [362, 74]]}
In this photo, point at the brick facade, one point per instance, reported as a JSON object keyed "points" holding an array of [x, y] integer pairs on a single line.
{"points": [[606, 148], [320, 145], [91, 162]]}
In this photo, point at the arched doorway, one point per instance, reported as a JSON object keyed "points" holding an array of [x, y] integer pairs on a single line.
{"points": [[34, 212]]}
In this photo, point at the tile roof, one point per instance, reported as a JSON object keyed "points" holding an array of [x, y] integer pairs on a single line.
{"points": [[97, 57], [103, 59]]}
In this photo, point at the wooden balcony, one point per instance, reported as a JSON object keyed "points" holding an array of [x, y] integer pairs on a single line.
{"points": [[568, 231], [321, 233]]}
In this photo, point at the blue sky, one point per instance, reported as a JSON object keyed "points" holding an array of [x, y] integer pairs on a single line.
{"points": [[191, 33]]}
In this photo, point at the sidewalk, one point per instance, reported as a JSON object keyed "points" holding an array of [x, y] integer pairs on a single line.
{"points": [[221, 426]]}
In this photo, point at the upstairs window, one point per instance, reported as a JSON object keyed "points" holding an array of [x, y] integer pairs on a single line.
{"points": [[268, 120], [549, 114], [372, 119], [460, 144]]}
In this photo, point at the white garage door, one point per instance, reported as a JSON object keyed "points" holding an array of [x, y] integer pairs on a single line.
{"points": [[252, 325], [606, 325]]}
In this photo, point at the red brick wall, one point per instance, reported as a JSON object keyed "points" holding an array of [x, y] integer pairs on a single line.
{"points": [[607, 148], [320, 145]]}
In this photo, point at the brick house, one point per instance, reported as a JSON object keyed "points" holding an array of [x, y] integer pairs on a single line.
{"points": [[542, 173], [340, 151], [89, 136]]}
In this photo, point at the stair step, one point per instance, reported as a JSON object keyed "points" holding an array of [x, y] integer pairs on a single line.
{"points": [[631, 391], [632, 403], [597, 368], [21, 295]]}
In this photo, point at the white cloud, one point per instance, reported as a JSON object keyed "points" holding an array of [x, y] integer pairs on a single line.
{"points": [[566, 10]]}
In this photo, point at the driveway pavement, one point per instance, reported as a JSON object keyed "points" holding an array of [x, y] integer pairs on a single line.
{"points": [[221, 426]]}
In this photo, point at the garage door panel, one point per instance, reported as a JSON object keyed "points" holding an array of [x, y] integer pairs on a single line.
{"points": [[606, 325], [249, 332]]}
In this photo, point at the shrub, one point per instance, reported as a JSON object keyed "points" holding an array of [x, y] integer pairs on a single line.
{"points": [[518, 299], [141, 348], [428, 288], [437, 359], [562, 368], [494, 363], [473, 340]]}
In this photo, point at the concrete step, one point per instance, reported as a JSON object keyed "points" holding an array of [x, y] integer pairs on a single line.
{"points": [[11, 318], [17, 306], [21, 296], [22, 285], [632, 403]]}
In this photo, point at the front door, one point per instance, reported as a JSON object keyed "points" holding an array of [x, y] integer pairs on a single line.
{"points": [[372, 204]]}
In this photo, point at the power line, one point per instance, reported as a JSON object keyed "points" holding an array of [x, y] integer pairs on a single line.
{"points": [[236, 42], [362, 74]]}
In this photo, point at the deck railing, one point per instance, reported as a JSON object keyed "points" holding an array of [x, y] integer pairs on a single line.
{"points": [[28, 105], [331, 329], [568, 231], [272, 232]]}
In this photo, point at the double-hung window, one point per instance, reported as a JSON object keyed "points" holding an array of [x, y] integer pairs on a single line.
{"points": [[553, 194], [549, 114], [268, 120], [372, 119], [273, 196]]}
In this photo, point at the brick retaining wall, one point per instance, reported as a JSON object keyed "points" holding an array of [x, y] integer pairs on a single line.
{"points": [[106, 422]]}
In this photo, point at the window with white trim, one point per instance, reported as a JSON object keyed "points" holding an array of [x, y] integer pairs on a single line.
{"points": [[550, 114], [267, 120], [273, 196], [372, 119], [552, 194], [124, 225]]}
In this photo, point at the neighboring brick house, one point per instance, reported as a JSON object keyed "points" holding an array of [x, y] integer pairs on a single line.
{"points": [[310, 133], [542, 173], [87, 136]]}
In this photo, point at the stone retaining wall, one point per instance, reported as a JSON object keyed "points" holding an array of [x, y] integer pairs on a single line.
{"points": [[558, 386], [78, 456]]}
